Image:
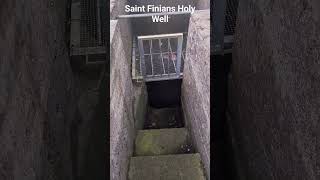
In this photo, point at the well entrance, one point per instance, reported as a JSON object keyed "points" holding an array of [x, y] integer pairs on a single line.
{"points": [[164, 107]]}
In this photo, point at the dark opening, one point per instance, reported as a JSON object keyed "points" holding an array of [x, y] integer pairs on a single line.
{"points": [[164, 110], [89, 129], [223, 160], [96, 153], [164, 93]]}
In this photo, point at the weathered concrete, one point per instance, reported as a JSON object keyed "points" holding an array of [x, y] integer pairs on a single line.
{"points": [[117, 8], [196, 84], [127, 100], [160, 141], [275, 97], [37, 101], [121, 107], [140, 104], [168, 167], [176, 24], [203, 4]]}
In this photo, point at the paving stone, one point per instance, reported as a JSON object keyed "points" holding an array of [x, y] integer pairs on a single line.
{"points": [[166, 167], [160, 141]]}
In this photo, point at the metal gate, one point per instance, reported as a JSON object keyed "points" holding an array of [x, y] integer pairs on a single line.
{"points": [[88, 31], [160, 56], [223, 26]]}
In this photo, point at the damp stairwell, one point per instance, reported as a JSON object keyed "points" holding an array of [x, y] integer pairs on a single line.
{"points": [[163, 148], [53, 115], [151, 102], [159, 116]]}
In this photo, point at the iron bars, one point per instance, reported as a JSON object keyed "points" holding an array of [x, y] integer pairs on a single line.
{"points": [[161, 56]]}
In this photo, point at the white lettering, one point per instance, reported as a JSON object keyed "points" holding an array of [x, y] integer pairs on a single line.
{"points": [[160, 8], [182, 8], [127, 8], [134, 9], [162, 19]]}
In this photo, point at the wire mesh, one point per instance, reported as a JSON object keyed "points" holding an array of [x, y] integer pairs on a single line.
{"points": [[104, 19], [231, 17], [160, 57], [90, 24], [96, 58]]}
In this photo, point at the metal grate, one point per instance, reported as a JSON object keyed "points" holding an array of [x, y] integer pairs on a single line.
{"points": [[231, 16], [88, 30], [161, 58], [96, 59], [104, 19], [88, 35], [223, 28], [91, 32]]}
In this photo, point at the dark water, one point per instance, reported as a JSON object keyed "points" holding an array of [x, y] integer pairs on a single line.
{"points": [[159, 118]]}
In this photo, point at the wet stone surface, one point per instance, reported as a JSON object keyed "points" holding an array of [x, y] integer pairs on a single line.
{"points": [[162, 142], [169, 167], [159, 118], [187, 148]]}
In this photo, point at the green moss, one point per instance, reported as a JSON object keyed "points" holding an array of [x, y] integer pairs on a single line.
{"points": [[180, 166], [145, 144], [160, 141]]}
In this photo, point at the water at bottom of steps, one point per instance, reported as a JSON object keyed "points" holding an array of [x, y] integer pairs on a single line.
{"points": [[166, 167], [159, 118]]}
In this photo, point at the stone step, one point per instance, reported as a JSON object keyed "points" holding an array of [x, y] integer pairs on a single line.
{"points": [[161, 141], [166, 167]]}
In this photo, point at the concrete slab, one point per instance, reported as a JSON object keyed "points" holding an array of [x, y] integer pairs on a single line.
{"points": [[274, 95], [168, 167], [113, 25], [122, 128], [195, 92], [160, 141]]}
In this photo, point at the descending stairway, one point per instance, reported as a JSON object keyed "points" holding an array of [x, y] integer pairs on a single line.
{"points": [[164, 154]]}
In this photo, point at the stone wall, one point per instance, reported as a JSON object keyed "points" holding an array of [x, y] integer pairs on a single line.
{"points": [[121, 104], [140, 99], [275, 97], [37, 103], [117, 8], [196, 84], [128, 100]]}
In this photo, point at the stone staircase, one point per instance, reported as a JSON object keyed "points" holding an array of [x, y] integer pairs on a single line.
{"points": [[164, 154]]}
